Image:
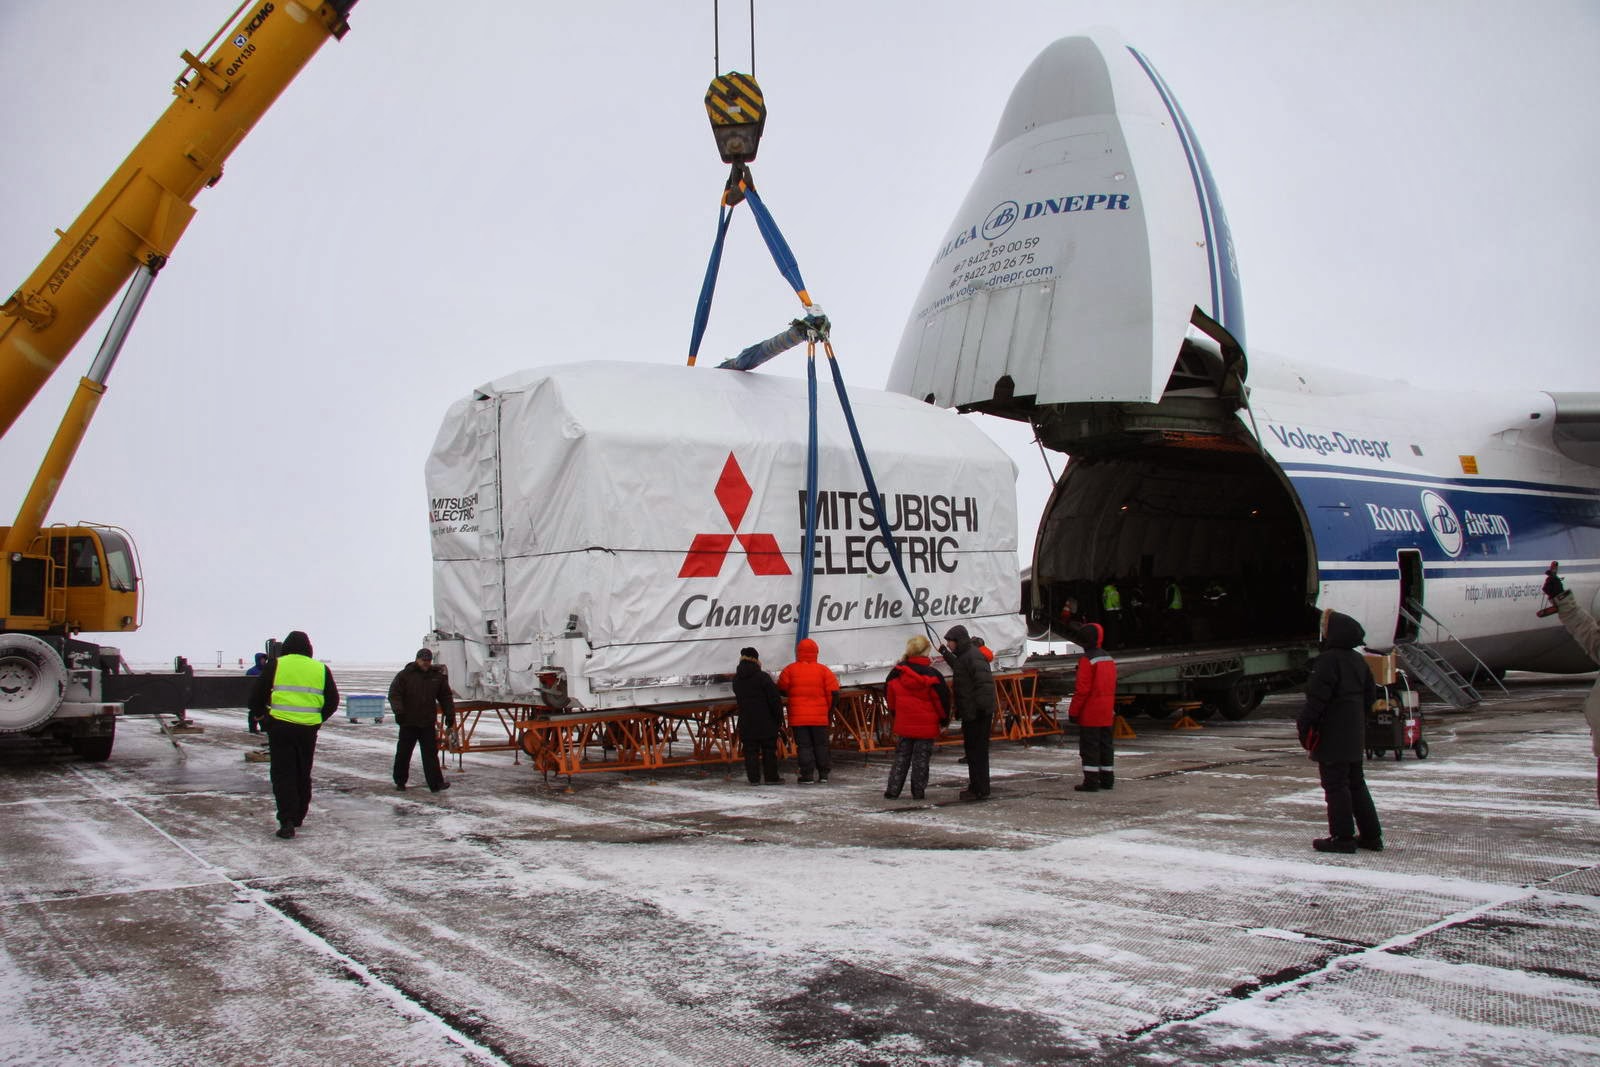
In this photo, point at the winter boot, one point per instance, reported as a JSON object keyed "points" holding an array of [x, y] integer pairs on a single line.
{"points": [[1090, 783], [1335, 844], [1108, 779]]}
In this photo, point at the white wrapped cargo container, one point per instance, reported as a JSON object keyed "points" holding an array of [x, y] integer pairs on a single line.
{"points": [[634, 526]]}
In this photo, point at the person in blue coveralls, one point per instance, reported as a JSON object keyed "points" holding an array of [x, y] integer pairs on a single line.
{"points": [[255, 670]]}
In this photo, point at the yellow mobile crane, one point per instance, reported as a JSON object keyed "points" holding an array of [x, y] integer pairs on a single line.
{"points": [[59, 581]]}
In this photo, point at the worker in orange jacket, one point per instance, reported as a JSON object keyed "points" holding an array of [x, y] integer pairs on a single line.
{"points": [[809, 687], [1094, 709]]}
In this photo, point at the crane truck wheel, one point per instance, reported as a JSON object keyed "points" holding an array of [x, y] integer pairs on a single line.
{"points": [[95, 749], [33, 681]]}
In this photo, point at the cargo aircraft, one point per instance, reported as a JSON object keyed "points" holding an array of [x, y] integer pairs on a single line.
{"points": [[1088, 287]]}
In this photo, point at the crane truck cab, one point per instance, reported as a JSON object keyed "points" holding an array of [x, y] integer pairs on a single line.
{"points": [[59, 581], [70, 579]]}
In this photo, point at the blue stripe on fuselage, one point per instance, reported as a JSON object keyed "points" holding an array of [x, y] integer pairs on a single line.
{"points": [[1324, 470], [1227, 299], [1367, 517]]}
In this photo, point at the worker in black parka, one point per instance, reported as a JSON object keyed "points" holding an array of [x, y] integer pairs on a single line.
{"points": [[760, 718], [1333, 729]]}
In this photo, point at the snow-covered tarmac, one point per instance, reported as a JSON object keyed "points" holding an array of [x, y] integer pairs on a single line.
{"points": [[149, 916]]}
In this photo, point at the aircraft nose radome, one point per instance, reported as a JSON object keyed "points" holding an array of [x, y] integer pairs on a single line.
{"points": [[1069, 80], [1073, 268]]}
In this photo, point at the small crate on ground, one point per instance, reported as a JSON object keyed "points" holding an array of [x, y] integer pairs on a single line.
{"points": [[368, 706]]}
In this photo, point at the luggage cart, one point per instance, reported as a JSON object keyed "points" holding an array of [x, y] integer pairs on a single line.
{"points": [[1395, 722]]}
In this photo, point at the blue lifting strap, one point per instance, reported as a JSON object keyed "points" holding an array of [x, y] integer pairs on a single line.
{"points": [[810, 328], [872, 486], [702, 309], [808, 550], [776, 244]]}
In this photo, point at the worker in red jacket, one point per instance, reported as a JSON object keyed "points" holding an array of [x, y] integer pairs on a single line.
{"points": [[809, 687], [919, 697], [1094, 709]]}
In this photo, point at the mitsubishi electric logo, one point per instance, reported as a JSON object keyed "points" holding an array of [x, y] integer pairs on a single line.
{"points": [[706, 553]]}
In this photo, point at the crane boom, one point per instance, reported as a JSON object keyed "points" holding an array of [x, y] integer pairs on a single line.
{"points": [[141, 212], [59, 581]]}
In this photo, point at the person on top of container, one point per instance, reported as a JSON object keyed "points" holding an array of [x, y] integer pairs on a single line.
{"points": [[1094, 709], [293, 696], [417, 690], [1586, 631], [760, 718], [1332, 726], [809, 687], [919, 697], [972, 685]]}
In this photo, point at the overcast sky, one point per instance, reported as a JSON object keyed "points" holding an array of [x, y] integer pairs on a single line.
{"points": [[455, 192]]}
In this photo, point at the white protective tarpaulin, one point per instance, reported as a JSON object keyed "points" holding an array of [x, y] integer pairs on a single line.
{"points": [[636, 525]]}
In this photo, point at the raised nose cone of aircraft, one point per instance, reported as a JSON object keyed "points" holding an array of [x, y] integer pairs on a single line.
{"points": [[1067, 81], [1090, 243]]}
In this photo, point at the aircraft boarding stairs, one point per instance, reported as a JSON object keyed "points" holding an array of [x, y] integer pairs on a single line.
{"points": [[1433, 670]]}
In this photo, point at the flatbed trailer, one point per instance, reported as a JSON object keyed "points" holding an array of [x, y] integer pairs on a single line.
{"points": [[1228, 679]]}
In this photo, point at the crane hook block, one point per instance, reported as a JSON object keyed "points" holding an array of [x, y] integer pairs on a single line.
{"points": [[734, 105]]}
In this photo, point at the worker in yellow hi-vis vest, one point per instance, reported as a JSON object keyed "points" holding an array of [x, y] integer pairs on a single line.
{"points": [[1111, 613], [293, 696]]}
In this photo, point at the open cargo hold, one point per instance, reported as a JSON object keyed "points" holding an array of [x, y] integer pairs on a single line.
{"points": [[633, 526]]}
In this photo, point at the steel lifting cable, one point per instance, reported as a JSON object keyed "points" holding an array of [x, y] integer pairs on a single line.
{"points": [[716, 37]]}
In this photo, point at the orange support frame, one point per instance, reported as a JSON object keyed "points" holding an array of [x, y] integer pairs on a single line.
{"points": [[1021, 714], [644, 739], [463, 737]]}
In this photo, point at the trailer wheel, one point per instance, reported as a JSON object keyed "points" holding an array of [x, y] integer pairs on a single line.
{"points": [[1422, 750], [1156, 708], [1237, 701], [33, 681]]}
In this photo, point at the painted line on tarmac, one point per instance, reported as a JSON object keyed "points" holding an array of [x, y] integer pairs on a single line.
{"points": [[1270, 987], [401, 1001]]}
